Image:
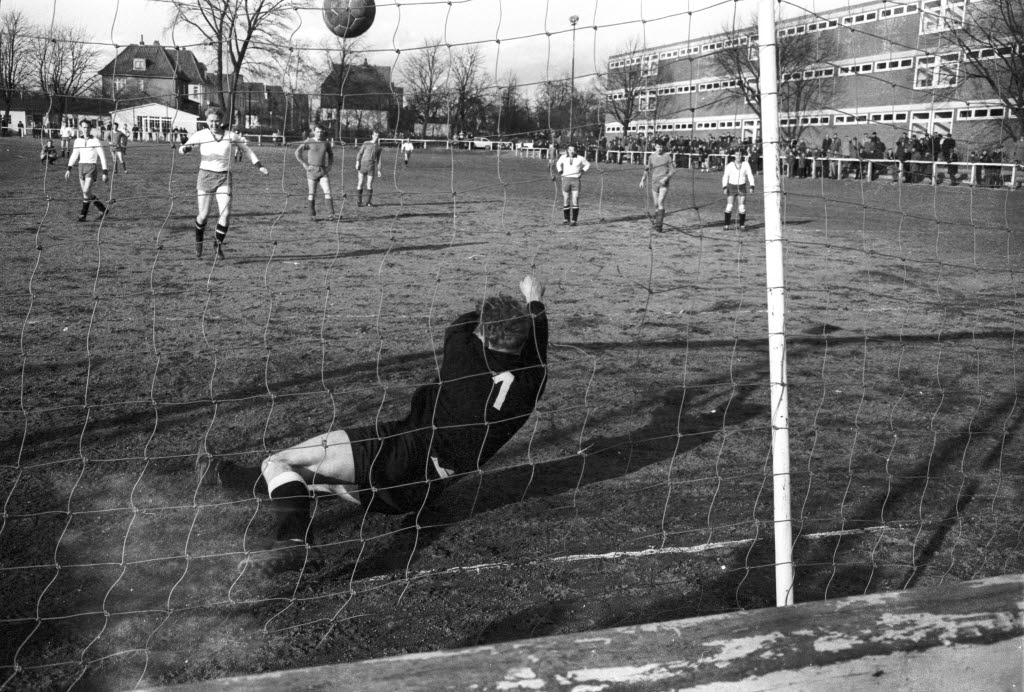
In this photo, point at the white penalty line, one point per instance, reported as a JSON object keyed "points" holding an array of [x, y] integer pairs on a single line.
{"points": [[618, 555]]}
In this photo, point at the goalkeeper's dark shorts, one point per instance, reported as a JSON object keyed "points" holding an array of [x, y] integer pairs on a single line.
{"points": [[395, 468]]}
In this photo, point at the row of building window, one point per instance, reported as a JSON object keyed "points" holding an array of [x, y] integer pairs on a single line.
{"points": [[932, 71], [936, 15], [889, 117]]}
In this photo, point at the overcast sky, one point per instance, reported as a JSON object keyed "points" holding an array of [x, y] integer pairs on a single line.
{"points": [[531, 38]]}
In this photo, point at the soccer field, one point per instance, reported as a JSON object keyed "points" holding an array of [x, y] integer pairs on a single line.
{"points": [[639, 491]]}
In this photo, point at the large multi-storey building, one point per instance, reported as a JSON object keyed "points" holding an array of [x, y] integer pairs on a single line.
{"points": [[894, 67]]}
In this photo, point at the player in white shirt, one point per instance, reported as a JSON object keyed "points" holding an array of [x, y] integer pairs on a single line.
{"points": [[407, 147], [571, 167], [88, 153], [216, 154], [734, 187], [67, 137]]}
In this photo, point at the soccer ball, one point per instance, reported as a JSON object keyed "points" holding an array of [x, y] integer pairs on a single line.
{"points": [[349, 18]]}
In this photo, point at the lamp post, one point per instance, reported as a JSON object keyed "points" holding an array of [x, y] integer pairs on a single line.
{"points": [[572, 78]]}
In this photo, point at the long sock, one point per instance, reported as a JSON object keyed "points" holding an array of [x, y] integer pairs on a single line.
{"points": [[360, 192], [575, 214], [330, 202], [312, 207], [728, 218], [200, 231], [85, 208], [743, 218], [566, 211], [220, 234], [369, 197], [99, 205], [290, 502]]}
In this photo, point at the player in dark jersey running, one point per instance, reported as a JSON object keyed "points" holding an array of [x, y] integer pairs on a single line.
{"points": [[659, 169], [316, 156], [493, 373]]}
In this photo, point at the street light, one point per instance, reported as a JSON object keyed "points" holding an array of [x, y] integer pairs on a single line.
{"points": [[572, 83]]}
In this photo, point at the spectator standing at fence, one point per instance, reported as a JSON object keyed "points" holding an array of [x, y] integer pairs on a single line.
{"points": [[836, 153], [571, 167], [659, 169], [67, 137], [493, 372], [214, 179], [735, 187], [998, 157], [826, 151], [985, 172], [852, 152], [902, 155], [1018, 160], [87, 151], [368, 163], [947, 148], [317, 157], [875, 152]]}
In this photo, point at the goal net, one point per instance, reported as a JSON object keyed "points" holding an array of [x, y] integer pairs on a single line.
{"points": [[641, 488]]}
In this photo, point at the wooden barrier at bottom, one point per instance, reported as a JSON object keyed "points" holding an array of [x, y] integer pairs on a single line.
{"points": [[966, 636]]}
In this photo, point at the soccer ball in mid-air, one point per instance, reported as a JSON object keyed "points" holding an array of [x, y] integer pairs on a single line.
{"points": [[349, 18]]}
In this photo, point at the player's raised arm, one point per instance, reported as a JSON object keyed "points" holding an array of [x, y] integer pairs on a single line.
{"points": [[537, 340]]}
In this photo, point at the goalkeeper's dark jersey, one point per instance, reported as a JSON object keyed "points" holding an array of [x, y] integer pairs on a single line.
{"points": [[483, 396]]}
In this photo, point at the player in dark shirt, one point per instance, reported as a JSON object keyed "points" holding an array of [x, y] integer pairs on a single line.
{"points": [[316, 156], [493, 373]]}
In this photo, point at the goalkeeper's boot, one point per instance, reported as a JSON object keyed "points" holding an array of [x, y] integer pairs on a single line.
{"points": [[219, 247]]}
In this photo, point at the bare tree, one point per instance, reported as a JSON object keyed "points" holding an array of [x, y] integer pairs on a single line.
{"points": [[467, 87], [551, 104], [424, 72], [241, 33], [298, 72], [65, 66], [510, 111], [805, 64], [589, 112], [626, 83], [991, 51], [15, 52]]}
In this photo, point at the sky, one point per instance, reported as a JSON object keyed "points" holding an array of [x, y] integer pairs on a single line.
{"points": [[531, 38]]}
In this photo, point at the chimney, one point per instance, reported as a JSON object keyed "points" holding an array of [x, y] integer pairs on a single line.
{"points": [[142, 40], [156, 43]]}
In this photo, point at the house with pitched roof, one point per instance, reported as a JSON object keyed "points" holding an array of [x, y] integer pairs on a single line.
{"points": [[144, 73], [356, 98], [155, 89]]}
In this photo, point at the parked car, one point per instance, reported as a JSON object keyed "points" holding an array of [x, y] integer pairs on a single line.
{"points": [[480, 143]]}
